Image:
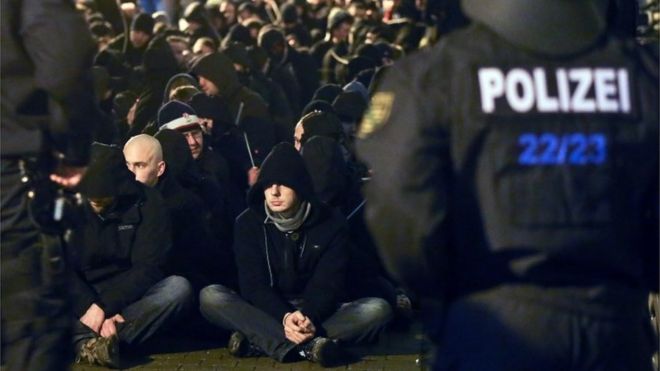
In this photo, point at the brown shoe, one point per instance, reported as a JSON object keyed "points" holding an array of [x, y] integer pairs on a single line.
{"points": [[100, 351]]}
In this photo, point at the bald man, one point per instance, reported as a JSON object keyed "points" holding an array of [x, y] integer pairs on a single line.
{"points": [[144, 158]]}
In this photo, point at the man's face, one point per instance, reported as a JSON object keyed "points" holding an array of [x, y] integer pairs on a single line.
{"points": [[180, 50], [208, 86], [142, 163], [341, 32], [228, 10], [139, 39], [297, 136], [195, 139], [281, 199], [101, 203]]}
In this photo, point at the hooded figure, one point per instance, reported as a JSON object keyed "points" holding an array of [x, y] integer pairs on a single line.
{"points": [[292, 255], [159, 66], [218, 77]]}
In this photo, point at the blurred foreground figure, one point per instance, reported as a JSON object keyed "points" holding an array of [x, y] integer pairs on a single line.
{"points": [[515, 175], [47, 119]]}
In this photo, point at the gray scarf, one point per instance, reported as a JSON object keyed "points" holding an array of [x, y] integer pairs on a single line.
{"points": [[285, 224]]}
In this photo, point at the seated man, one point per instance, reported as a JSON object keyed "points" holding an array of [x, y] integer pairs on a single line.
{"points": [[292, 256], [194, 255], [119, 290]]}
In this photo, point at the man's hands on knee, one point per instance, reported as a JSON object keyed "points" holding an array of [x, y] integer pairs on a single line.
{"points": [[298, 328], [109, 326], [93, 318]]}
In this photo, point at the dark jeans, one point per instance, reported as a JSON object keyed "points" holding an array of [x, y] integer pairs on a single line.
{"points": [[36, 322], [162, 305], [498, 330], [352, 322]]}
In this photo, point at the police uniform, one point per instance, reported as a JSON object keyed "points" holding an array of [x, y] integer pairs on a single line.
{"points": [[48, 114], [517, 162]]}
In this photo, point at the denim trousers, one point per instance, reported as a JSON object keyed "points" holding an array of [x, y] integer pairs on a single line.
{"points": [[356, 321], [162, 305]]}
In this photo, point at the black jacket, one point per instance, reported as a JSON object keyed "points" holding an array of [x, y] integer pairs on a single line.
{"points": [[118, 255], [47, 100], [469, 189], [255, 119], [308, 264]]}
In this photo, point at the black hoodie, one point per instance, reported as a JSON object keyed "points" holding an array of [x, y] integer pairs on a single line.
{"points": [[308, 263], [255, 119]]}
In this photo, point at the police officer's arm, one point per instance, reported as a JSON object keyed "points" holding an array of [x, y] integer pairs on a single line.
{"points": [[59, 44], [405, 141]]}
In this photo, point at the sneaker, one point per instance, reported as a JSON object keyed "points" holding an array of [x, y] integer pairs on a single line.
{"points": [[240, 346], [323, 351], [100, 351]]}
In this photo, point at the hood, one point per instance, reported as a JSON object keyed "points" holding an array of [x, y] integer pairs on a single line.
{"points": [[177, 156], [180, 79], [553, 27], [107, 174], [284, 166], [219, 69], [325, 124], [159, 62], [327, 168]]}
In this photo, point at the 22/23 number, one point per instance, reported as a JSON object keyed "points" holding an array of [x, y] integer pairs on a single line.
{"points": [[553, 149]]}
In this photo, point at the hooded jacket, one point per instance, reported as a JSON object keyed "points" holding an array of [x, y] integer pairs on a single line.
{"points": [[255, 119], [309, 263], [117, 255]]}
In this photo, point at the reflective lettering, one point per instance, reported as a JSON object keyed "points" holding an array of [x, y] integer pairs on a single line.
{"points": [[522, 99], [579, 100], [491, 84], [624, 90], [604, 80], [544, 103]]}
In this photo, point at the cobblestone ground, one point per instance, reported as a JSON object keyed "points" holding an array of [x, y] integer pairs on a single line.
{"points": [[396, 350]]}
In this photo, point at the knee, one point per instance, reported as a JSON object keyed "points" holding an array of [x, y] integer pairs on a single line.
{"points": [[178, 289], [214, 297], [377, 310]]}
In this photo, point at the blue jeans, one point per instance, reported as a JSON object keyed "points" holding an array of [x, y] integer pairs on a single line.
{"points": [[163, 304], [352, 322]]}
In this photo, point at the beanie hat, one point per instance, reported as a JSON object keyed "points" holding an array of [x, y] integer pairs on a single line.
{"points": [[327, 92], [238, 54], [318, 105], [284, 166], [358, 64], [179, 116], [350, 106], [107, 174], [195, 13], [357, 87], [270, 36], [321, 123], [211, 107], [289, 13], [144, 23]]}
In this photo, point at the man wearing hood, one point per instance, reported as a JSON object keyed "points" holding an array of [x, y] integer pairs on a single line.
{"points": [[515, 176], [120, 292], [217, 76], [292, 255]]}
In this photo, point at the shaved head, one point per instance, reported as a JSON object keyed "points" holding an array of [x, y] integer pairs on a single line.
{"points": [[144, 157]]}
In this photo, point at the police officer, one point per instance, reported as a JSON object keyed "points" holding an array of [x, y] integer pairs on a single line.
{"points": [[47, 120], [515, 173]]}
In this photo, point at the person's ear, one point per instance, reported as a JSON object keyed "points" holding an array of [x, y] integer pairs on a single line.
{"points": [[161, 168]]}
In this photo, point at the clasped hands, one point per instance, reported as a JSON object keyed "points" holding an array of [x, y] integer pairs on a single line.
{"points": [[298, 328]]}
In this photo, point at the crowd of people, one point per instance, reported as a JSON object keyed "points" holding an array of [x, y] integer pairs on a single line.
{"points": [[223, 191], [223, 188]]}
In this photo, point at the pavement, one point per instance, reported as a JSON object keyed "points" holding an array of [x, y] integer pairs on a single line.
{"points": [[395, 350]]}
